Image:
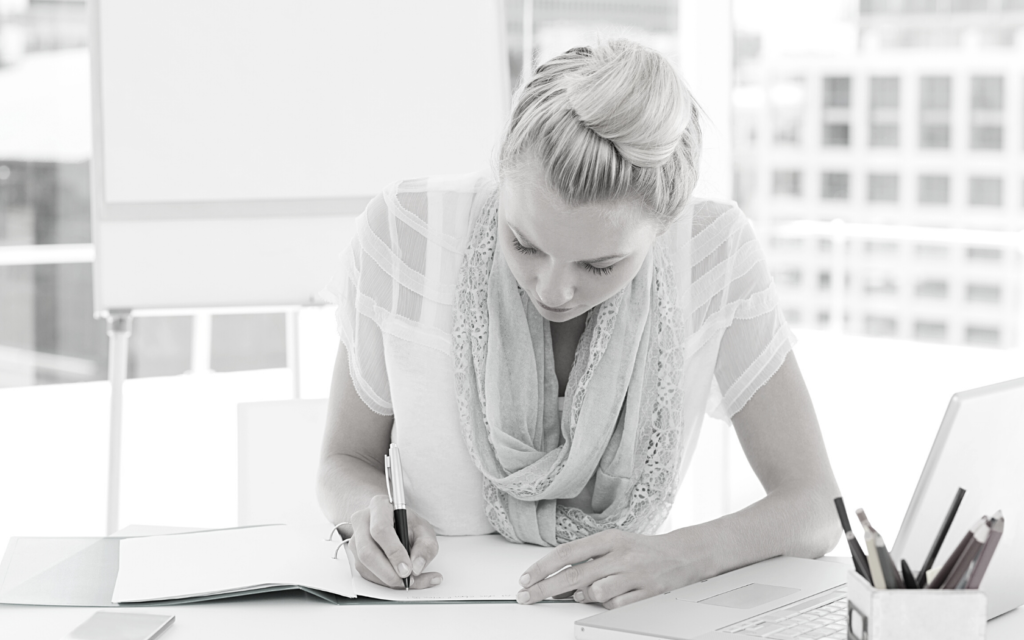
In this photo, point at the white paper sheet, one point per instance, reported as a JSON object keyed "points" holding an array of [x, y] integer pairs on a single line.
{"points": [[473, 567], [215, 562]]}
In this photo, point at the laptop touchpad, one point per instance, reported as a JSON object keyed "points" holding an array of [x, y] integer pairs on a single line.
{"points": [[750, 596]]}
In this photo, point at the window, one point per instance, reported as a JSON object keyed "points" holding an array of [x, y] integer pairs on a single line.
{"points": [[835, 186], [884, 115], [786, 183], [987, 112], [788, 277], [836, 135], [936, 92], [837, 92], [924, 330], [987, 336], [933, 189], [836, 112], [824, 280], [881, 248], [883, 188], [984, 254], [879, 285], [879, 326], [931, 252], [986, 192], [984, 293], [931, 289]]}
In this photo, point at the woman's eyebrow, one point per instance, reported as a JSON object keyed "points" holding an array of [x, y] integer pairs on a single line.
{"points": [[523, 238]]}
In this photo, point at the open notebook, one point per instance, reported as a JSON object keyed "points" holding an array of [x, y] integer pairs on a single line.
{"points": [[205, 565]]}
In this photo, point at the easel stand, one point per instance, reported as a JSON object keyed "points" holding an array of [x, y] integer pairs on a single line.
{"points": [[119, 329]]}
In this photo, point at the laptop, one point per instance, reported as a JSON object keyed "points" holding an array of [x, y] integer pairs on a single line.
{"points": [[979, 446]]}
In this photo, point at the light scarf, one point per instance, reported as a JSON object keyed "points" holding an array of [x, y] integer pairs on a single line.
{"points": [[623, 411]]}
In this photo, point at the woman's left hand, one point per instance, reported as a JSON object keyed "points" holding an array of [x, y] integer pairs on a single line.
{"points": [[613, 568]]}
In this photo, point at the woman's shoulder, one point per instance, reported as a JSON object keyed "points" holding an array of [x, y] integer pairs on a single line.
{"points": [[440, 207]]}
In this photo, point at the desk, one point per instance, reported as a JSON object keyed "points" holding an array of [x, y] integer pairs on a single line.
{"points": [[294, 615]]}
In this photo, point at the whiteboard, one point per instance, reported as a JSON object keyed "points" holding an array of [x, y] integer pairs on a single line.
{"points": [[234, 141]]}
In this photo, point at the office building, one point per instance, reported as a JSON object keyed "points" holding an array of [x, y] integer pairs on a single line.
{"points": [[919, 150]]}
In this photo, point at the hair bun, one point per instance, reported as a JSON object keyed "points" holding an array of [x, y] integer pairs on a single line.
{"points": [[631, 96]]}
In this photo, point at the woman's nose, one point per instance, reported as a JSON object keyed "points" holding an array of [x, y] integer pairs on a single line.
{"points": [[554, 288]]}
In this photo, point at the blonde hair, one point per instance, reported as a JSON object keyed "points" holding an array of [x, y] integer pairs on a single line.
{"points": [[608, 123]]}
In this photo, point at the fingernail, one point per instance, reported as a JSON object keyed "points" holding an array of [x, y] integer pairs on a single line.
{"points": [[578, 596], [436, 580], [523, 597], [417, 565], [524, 579], [403, 570]]}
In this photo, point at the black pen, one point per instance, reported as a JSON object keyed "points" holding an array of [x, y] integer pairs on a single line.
{"points": [[860, 561], [396, 493], [921, 577]]}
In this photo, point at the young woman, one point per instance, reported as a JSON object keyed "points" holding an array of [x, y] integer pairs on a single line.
{"points": [[543, 347]]}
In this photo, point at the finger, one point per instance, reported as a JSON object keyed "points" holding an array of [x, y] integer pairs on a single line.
{"points": [[572, 578], [627, 598], [382, 530], [426, 580], [424, 545], [563, 555], [604, 589], [387, 577], [370, 557]]}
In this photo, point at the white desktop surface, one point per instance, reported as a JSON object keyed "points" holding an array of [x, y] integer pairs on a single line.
{"points": [[298, 615]]}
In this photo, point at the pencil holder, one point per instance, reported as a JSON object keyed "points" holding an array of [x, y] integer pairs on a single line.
{"points": [[899, 614]]}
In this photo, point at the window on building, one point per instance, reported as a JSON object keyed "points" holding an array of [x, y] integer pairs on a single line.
{"points": [[788, 277], [933, 189], [984, 293], [824, 280], [931, 289], [837, 92], [987, 336], [987, 112], [984, 254], [884, 115], [935, 95], [836, 135], [879, 285], [835, 186], [881, 248], [823, 318], [986, 192], [883, 187], [931, 252], [926, 330], [879, 326], [836, 111], [786, 183], [825, 245]]}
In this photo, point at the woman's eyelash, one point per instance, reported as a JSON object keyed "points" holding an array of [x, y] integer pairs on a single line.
{"points": [[520, 248], [601, 271]]}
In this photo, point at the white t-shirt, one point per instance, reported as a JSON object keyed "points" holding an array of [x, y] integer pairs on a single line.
{"points": [[395, 290]]}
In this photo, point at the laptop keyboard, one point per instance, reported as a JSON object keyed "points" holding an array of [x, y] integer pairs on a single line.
{"points": [[818, 618]]}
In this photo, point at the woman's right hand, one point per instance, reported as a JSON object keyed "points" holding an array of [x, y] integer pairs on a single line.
{"points": [[378, 553]]}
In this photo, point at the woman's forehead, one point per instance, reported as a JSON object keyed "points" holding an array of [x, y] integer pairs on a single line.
{"points": [[586, 232]]}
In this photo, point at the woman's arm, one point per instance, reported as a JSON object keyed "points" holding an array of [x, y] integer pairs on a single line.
{"points": [[780, 436], [351, 488]]}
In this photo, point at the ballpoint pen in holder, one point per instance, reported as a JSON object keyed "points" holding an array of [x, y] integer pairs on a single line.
{"points": [[396, 493]]}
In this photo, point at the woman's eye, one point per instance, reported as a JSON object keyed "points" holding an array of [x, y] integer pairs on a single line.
{"points": [[520, 248], [601, 271]]}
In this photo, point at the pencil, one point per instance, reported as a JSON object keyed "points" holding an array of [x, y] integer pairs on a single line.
{"points": [[943, 530]]}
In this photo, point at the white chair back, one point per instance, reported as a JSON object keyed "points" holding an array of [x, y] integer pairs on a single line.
{"points": [[278, 454]]}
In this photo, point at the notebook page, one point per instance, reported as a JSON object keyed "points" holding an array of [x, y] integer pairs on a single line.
{"points": [[216, 562], [473, 567]]}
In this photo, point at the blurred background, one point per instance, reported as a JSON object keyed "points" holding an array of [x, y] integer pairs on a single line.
{"points": [[876, 146]]}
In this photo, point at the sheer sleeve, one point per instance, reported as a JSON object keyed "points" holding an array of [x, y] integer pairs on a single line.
{"points": [[361, 290], [755, 338], [396, 278]]}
